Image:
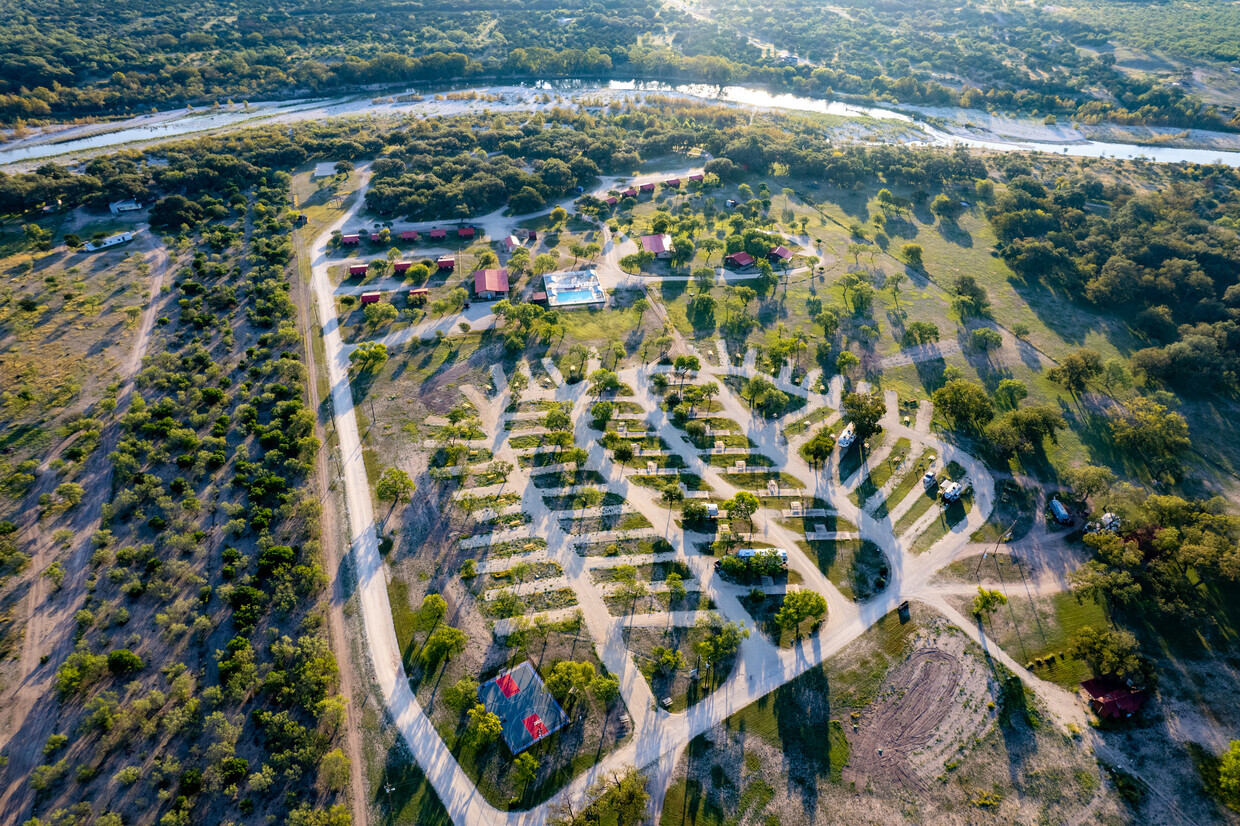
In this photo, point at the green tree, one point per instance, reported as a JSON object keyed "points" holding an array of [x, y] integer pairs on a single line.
{"points": [[394, 485], [742, 506], [70, 493], [601, 414], [1087, 481], [1076, 370], [987, 602], [912, 255], [845, 362], [966, 403], [1229, 772], [524, 769], [986, 339], [798, 607], [484, 726], [1114, 653], [334, 770], [864, 411], [443, 644], [1010, 392], [369, 356]]}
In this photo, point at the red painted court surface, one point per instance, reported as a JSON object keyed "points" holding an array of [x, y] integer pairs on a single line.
{"points": [[508, 685], [526, 710]]}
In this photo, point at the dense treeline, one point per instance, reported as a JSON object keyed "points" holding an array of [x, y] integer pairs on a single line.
{"points": [[1169, 260], [202, 685], [89, 57], [943, 53]]}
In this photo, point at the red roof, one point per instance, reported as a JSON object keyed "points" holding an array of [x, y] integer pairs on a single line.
{"points": [[612, 200], [375, 237], [465, 232], [508, 685], [401, 266], [657, 243], [539, 296], [672, 182], [409, 235], [647, 187], [780, 252], [439, 233], [1113, 699], [491, 281], [629, 193], [420, 291], [349, 239], [535, 726], [370, 297], [445, 263], [741, 259], [357, 269], [698, 177]]}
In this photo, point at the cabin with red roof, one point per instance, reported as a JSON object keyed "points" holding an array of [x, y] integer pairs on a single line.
{"points": [[402, 266], [699, 177], [446, 263], [779, 255], [1112, 700], [465, 232], [660, 245], [646, 187], [629, 193], [739, 260], [375, 238], [674, 182], [358, 269], [349, 240], [371, 297], [491, 284], [438, 234], [611, 200], [409, 235], [420, 291]]}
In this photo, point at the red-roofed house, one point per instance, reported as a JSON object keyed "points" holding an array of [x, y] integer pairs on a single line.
{"points": [[375, 238], [779, 254], [409, 235], [371, 297], [491, 284], [446, 263], [349, 240], [465, 232], [402, 266], [672, 182], [629, 193], [1112, 699], [510, 244], [660, 245], [358, 269], [646, 187], [698, 177], [739, 260], [438, 234], [611, 200]]}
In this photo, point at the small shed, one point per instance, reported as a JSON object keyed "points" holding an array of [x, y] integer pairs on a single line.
{"points": [[376, 238], [420, 291], [672, 182], [358, 269], [646, 187], [438, 234], [445, 263], [409, 235], [349, 240], [611, 200], [779, 255], [465, 232], [401, 266], [511, 244], [629, 193], [371, 297], [699, 178]]}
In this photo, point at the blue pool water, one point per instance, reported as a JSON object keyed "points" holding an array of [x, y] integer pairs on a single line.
{"points": [[574, 296]]}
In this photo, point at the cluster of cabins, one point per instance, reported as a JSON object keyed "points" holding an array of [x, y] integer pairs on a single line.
{"points": [[649, 188], [743, 260], [410, 235]]}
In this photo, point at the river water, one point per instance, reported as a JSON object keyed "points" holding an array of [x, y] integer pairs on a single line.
{"points": [[67, 143]]}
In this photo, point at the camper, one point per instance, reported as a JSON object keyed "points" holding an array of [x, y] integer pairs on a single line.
{"points": [[1060, 512], [848, 437], [930, 480], [750, 553], [952, 491]]}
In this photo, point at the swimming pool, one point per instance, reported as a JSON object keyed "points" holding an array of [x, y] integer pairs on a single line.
{"points": [[574, 297]]}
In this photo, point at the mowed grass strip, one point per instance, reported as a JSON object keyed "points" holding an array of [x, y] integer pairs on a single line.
{"points": [[910, 480], [878, 475]]}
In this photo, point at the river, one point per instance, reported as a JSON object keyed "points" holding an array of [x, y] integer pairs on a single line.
{"points": [[74, 143]]}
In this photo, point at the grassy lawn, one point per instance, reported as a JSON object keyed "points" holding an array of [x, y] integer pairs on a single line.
{"points": [[925, 501], [1015, 508], [910, 480], [878, 475], [951, 516], [852, 458], [677, 685], [612, 522], [759, 480], [566, 479], [804, 423], [730, 460], [572, 501], [1036, 631], [856, 566]]}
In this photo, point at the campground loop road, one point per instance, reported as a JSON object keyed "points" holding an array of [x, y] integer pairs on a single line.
{"points": [[660, 737]]}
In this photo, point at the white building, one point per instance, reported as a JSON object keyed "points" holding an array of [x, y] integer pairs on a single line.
{"points": [[571, 290], [326, 169], [130, 205], [110, 241]]}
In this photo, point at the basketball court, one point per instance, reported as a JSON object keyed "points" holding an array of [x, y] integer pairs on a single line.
{"points": [[526, 709]]}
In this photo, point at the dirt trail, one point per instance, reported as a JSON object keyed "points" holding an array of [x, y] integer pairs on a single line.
{"points": [[333, 553], [50, 622]]}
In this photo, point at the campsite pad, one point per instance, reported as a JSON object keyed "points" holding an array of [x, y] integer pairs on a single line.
{"points": [[524, 706]]}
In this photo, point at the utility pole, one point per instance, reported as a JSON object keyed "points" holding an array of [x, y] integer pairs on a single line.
{"points": [[978, 570]]}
